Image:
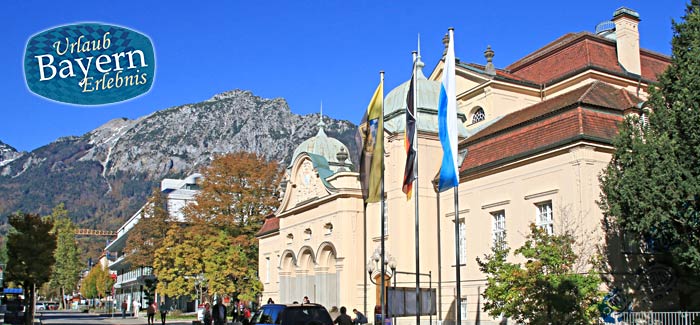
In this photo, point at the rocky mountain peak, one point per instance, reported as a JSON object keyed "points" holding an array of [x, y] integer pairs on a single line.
{"points": [[231, 94], [105, 175], [8, 154]]}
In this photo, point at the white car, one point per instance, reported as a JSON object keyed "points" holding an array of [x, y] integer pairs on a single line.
{"points": [[40, 306]]}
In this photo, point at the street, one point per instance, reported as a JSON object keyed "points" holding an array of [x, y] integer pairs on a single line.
{"points": [[74, 317]]}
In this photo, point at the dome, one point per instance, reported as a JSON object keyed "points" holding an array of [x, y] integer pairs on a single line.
{"points": [[428, 98], [324, 146]]}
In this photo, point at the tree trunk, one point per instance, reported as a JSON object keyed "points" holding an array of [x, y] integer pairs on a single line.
{"points": [[29, 315], [62, 304]]}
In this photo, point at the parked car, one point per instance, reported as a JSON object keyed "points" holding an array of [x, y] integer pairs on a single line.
{"points": [[39, 306], [292, 314], [52, 306]]}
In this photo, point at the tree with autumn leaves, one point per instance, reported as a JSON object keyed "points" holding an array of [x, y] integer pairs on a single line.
{"points": [[97, 283], [215, 251]]}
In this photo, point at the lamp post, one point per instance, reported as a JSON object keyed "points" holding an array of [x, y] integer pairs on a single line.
{"points": [[392, 266], [374, 269]]}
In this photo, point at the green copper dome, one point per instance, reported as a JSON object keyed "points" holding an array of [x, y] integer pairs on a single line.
{"points": [[326, 147], [428, 97]]}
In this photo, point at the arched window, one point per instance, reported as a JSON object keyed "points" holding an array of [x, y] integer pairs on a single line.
{"points": [[478, 115]]}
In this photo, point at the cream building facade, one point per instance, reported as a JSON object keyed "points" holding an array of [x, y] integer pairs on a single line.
{"points": [[535, 134]]}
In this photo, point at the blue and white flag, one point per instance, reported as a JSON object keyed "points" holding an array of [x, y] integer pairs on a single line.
{"points": [[447, 122]]}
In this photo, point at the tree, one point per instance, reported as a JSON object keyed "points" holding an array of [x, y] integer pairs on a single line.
{"points": [[177, 263], [30, 248], [228, 269], [544, 290], [651, 187], [66, 270], [149, 232], [97, 283], [238, 191]]}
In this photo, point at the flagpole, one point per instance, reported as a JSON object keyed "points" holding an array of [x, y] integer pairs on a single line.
{"points": [[381, 213], [439, 256], [364, 224], [415, 148], [458, 282], [458, 266]]}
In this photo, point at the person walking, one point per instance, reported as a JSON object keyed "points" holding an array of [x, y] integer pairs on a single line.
{"points": [[207, 314], [219, 313], [163, 311], [343, 319], [306, 300], [125, 306], [151, 313], [359, 317], [137, 306]]}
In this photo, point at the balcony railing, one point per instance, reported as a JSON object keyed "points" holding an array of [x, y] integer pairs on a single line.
{"points": [[133, 275]]}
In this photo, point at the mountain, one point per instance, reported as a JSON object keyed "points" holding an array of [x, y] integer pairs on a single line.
{"points": [[105, 175], [8, 154]]}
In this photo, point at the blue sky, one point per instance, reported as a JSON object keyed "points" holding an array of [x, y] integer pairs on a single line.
{"points": [[304, 51]]}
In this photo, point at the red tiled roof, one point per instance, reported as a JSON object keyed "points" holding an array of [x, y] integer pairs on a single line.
{"points": [[271, 225], [576, 51], [549, 123]]}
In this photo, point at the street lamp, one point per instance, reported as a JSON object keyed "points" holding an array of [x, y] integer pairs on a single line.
{"points": [[392, 266]]}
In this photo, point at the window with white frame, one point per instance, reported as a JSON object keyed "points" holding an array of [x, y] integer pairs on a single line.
{"points": [[478, 115], [499, 227], [462, 241], [463, 307], [544, 216]]}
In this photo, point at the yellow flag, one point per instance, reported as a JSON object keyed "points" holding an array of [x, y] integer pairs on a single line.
{"points": [[371, 140]]}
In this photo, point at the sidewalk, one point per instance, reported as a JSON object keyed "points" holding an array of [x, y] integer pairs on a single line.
{"points": [[129, 320]]}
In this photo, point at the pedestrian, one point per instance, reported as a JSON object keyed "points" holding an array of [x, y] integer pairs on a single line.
{"points": [[151, 313], [270, 301], [235, 314], [207, 314], [334, 312], [137, 306], [219, 313], [343, 319], [306, 300], [246, 313], [125, 306], [359, 317], [163, 311]]}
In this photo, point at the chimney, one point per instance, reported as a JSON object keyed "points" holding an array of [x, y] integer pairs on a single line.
{"points": [[626, 22]]}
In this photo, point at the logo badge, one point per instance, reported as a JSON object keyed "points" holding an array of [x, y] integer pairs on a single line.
{"points": [[89, 64]]}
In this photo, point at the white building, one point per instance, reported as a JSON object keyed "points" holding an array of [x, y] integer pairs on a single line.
{"points": [[130, 281]]}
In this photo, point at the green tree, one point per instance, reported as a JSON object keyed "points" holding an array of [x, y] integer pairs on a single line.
{"points": [[88, 286], [651, 187], [66, 271], [178, 263], [30, 248], [97, 283], [149, 232], [228, 269], [545, 289]]}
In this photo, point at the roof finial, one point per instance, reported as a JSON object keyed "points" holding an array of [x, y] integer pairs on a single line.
{"points": [[489, 54], [320, 120]]}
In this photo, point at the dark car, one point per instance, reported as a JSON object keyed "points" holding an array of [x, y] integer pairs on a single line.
{"points": [[294, 314]]}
